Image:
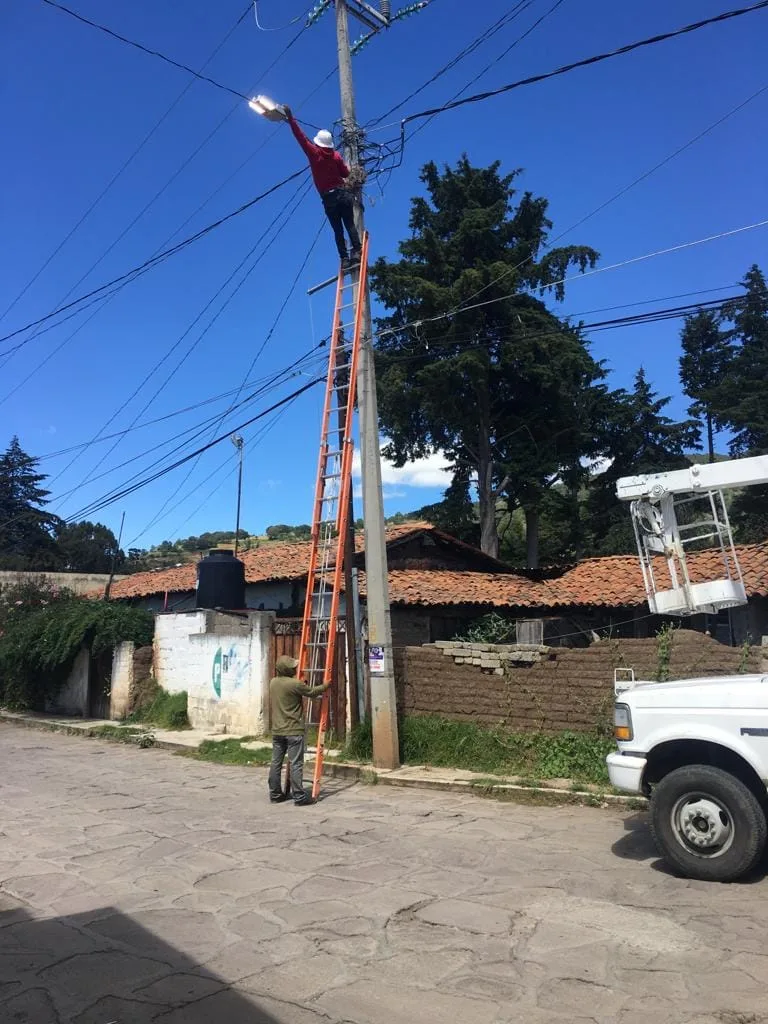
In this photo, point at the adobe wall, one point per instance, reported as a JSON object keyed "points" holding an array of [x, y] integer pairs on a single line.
{"points": [[550, 689]]}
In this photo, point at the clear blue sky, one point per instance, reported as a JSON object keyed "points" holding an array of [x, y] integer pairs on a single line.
{"points": [[76, 104]]}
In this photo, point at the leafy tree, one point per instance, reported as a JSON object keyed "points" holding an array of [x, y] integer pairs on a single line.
{"points": [[26, 529], [456, 514], [704, 364], [641, 439], [283, 532], [89, 547], [742, 399], [499, 388]]}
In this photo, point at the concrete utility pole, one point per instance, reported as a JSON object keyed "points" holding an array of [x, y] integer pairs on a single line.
{"points": [[386, 752]]}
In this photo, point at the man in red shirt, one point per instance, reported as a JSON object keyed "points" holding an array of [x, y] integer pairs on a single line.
{"points": [[330, 175]]}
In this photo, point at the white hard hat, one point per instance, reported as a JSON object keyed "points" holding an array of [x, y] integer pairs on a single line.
{"points": [[324, 139]]}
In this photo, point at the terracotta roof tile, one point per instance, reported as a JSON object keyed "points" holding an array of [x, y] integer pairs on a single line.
{"points": [[617, 580], [614, 581]]}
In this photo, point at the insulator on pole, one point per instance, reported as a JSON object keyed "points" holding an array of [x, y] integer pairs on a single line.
{"points": [[386, 8]]}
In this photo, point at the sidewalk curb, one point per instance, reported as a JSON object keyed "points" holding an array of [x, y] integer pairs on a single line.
{"points": [[366, 774]]}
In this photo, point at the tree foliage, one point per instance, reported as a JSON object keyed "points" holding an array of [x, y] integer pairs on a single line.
{"points": [[42, 629], [89, 547], [503, 389], [26, 528], [641, 439], [704, 367]]}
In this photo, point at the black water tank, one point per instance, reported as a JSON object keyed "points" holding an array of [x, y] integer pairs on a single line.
{"points": [[221, 581]]}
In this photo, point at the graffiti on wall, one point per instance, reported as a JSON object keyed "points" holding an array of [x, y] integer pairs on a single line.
{"points": [[229, 671]]}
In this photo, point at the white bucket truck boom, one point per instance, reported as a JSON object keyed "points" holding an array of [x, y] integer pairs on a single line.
{"points": [[698, 748]]}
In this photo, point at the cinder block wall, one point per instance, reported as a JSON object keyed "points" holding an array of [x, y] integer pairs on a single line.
{"points": [[564, 688]]}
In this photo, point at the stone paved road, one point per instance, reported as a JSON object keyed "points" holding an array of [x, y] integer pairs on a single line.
{"points": [[140, 887]]}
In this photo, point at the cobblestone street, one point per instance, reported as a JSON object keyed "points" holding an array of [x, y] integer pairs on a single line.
{"points": [[138, 886]]}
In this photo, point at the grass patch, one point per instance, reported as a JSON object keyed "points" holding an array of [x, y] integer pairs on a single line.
{"points": [[123, 734], [230, 752], [165, 711], [442, 743]]}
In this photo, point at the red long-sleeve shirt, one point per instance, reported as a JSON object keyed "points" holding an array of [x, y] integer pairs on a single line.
{"points": [[328, 168]]}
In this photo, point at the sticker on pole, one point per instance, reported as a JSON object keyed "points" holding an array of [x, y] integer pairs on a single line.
{"points": [[376, 660]]}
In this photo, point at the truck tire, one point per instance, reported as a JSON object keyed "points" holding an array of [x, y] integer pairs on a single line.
{"points": [[707, 823]]}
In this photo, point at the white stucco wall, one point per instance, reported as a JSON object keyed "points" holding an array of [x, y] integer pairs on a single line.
{"points": [[122, 679], [221, 661]]}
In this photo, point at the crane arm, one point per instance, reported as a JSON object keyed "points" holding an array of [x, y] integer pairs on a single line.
{"points": [[713, 476]]}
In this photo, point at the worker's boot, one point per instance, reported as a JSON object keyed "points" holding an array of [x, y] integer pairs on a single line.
{"points": [[305, 800]]}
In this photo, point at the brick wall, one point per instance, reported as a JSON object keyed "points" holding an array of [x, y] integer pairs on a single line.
{"points": [[567, 688]]}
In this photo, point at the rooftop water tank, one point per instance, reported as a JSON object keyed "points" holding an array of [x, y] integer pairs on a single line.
{"points": [[221, 581]]}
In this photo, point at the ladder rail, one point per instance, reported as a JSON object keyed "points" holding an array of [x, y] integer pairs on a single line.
{"points": [[343, 509]]}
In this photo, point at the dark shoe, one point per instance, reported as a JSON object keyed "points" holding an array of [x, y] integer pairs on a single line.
{"points": [[357, 255], [305, 801], [278, 799]]}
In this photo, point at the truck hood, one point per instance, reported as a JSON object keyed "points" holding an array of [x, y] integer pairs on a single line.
{"points": [[742, 691]]}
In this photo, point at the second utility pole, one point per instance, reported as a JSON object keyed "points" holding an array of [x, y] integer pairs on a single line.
{"points": [[386, 752]]}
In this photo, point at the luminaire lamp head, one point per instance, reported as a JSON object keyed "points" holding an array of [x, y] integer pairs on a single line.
{"points": [[266, 107]]}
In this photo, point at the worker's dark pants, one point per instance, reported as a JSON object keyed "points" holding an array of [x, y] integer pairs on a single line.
{"points": [[340, 207], [293, 746]]}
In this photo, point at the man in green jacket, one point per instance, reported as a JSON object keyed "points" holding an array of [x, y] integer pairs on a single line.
{"points": [[285, 694]]}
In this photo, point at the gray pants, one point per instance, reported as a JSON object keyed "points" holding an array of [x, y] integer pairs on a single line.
{"points": [[293, 746]]}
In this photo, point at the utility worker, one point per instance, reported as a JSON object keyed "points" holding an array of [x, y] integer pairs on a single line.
{"points": [[286, 693], [331, 175]]}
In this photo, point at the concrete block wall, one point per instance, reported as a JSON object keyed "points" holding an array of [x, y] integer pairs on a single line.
{"points": [[222, 661], [122, 680], [491, 657], [564, 689]]}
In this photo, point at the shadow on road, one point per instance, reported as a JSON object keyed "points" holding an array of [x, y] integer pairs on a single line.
{"points": [[104, 968]]}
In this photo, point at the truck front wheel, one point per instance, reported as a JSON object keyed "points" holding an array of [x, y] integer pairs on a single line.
{"points": [[707, 823]]}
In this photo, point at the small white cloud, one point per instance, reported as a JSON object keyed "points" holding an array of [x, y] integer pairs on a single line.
{"points": [[390, 493], [431, 471]]}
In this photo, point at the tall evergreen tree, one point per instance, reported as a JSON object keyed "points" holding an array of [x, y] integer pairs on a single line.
{"points": [[743, 399], [26, 540], [499, 388], [641, 439], [704, 365]]}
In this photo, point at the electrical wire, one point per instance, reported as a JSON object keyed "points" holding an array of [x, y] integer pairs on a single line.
{"points": [[484, 36], [119, 494], [113, 180], [153, 261], [145, 49], [577, 277], [585, 62], [285, 215], [279, 28]]}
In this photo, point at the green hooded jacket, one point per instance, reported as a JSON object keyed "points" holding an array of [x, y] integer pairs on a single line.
{"points": [[286, 694]]}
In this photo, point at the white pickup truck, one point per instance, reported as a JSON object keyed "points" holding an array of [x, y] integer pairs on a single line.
{"points": [[698, 748]]}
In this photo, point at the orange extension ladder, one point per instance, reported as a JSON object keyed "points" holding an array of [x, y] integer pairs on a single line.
{"points": [[330, 517]]}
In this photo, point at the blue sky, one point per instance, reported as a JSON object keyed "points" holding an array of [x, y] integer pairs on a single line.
{"points": [[76, 104]]}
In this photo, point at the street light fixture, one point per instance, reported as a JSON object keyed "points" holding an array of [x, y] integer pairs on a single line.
{"points": [[266, 107]]}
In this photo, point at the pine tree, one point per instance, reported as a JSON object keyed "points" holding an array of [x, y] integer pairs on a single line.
{"points": [[500, 389], [641, 439], [743, 399], [704, 365], [26, 540]]}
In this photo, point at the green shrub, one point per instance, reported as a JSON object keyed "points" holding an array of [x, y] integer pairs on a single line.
{"points": [[165, 710], [443, 743], [42, 630], [489, 629]]}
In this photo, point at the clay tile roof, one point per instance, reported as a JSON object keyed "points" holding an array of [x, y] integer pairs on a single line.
{"points": [[616, 580], [276, 560], [446, 587]]}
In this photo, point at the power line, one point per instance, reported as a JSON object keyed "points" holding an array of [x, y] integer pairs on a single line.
{"points": [[118, 495], [278, 28], [484, 36], [286, 214], [153, 261], [121, 170], [587, 61], [577, 277], [145, 49], [623, 191], [497, 60]]}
